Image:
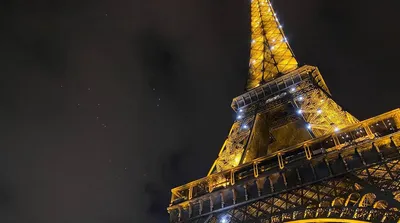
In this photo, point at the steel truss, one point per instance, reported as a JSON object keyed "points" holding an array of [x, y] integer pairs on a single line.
{"points": [[366, 189], [304, 90], [270, 53]]}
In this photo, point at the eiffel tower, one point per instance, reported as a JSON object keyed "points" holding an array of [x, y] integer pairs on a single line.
{"points": [[293, 154]]}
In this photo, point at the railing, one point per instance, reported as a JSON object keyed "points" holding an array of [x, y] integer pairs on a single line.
{"points": [[271, 88], [368, 214], [360, 134]]}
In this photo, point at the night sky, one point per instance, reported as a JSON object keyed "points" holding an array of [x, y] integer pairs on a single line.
{"points": [[106, 105]]}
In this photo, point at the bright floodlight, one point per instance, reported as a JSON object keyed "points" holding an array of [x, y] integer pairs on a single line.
{"points": [[299, 111], [336, 129], [292, 89], [239, 117], [319, 111], [309, 126], [301, 98], [224, 219]]}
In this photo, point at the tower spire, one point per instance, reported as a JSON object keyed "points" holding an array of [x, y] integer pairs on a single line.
{"points": [[270, 53]]}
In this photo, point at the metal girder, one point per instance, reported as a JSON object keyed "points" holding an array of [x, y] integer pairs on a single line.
{"points": [[270, 53], [293, 154], [316, 192]]}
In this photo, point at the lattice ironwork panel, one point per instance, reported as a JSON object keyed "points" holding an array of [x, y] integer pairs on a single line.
{"points": [[339, 198], [270, 53]]}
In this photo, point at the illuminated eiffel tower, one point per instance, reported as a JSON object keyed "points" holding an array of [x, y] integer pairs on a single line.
{"points": [[293, 154]]}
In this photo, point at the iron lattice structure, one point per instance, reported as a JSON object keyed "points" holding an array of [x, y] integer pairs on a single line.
{"points": [[293, 154]]}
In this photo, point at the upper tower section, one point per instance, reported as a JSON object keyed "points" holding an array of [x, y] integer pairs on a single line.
{"points": [[270, 53]]}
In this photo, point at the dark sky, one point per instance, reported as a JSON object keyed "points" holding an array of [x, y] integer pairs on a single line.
{"points": [[83, 140]]}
